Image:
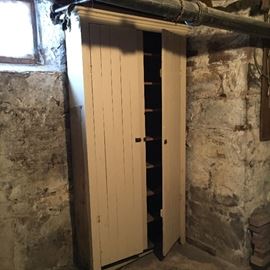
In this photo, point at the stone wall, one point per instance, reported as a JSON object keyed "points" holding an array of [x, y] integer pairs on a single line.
{"points": [[228, 168], [35, 223], [35, 230]]}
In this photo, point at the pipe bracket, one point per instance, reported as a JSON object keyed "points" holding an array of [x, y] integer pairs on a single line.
{"points": [[180, 14], [198, 19]]}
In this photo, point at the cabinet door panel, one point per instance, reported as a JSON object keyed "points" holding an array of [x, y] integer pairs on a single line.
{"points": [[115, 77], [173, 133]]}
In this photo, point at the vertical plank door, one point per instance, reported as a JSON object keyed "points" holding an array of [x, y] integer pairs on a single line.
{"points": [[117, 88], [173, 134]]}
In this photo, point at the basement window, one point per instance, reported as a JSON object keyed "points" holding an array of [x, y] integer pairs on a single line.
{"points": [[18, 32]]}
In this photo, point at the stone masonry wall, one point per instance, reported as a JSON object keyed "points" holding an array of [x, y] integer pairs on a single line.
{"points": [[35, 230], [228, 168], [35, 220]]}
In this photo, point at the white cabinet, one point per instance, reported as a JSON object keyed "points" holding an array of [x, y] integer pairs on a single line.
{"points": [[127, 103]]}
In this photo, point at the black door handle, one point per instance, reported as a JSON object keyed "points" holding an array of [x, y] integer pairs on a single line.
{"points": [[137, 140]]}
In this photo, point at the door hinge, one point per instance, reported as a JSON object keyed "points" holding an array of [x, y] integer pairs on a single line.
{"points": [[98, 219]]}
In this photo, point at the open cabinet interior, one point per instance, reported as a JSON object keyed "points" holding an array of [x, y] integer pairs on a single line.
{"points": [[153, 140]]}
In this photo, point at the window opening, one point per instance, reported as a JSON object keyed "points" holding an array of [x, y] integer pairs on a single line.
{"points": [[18, 32]]}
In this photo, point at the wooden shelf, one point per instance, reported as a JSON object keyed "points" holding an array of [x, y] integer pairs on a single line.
{"points": [[148, 110], [153, 217], [152, 54], [151, 165], [154, 192], [152, 139], [150, 192], [150, 245], [152, 83], [150, 218]]}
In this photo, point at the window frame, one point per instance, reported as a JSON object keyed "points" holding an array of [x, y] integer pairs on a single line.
{"points": [[33, 59]]}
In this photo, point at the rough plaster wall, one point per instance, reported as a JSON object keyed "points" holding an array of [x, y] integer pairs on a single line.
{"points": [[35, 223], [228, 168]]}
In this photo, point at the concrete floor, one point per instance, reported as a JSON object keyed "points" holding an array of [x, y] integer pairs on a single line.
{"points": [[181, 258]]}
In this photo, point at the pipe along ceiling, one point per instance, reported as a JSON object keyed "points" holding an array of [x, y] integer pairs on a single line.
{"points": [[179, 11]]}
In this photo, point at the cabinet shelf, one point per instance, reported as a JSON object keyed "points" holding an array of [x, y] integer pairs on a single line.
{"points": [[155, 192], [152, 83], [151, 165], [150, 218], [149, 54], [150, 193], [152, 139], [150, 245], [153, 217], [148, 110]]}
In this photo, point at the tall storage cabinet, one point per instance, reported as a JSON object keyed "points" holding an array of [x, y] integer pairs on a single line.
{"points": [[127, 105]]}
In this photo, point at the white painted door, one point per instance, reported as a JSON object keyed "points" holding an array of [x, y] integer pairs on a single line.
{"points": [[173, 129], [117, 92]]}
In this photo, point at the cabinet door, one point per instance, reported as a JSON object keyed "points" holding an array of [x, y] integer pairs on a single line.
{"points": [[173, 133], [116, 85]]}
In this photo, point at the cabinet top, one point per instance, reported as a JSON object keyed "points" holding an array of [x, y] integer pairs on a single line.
{"points": [[93, 15]]}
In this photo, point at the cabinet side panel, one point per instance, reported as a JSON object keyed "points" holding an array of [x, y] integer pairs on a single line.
{"points": [[79, 198], [75, 63], [183, 140]]}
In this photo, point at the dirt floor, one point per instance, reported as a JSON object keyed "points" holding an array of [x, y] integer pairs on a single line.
{"points": [[181, 258]]}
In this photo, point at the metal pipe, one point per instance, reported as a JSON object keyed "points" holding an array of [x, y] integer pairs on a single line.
{"points": [[194, 13]]}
